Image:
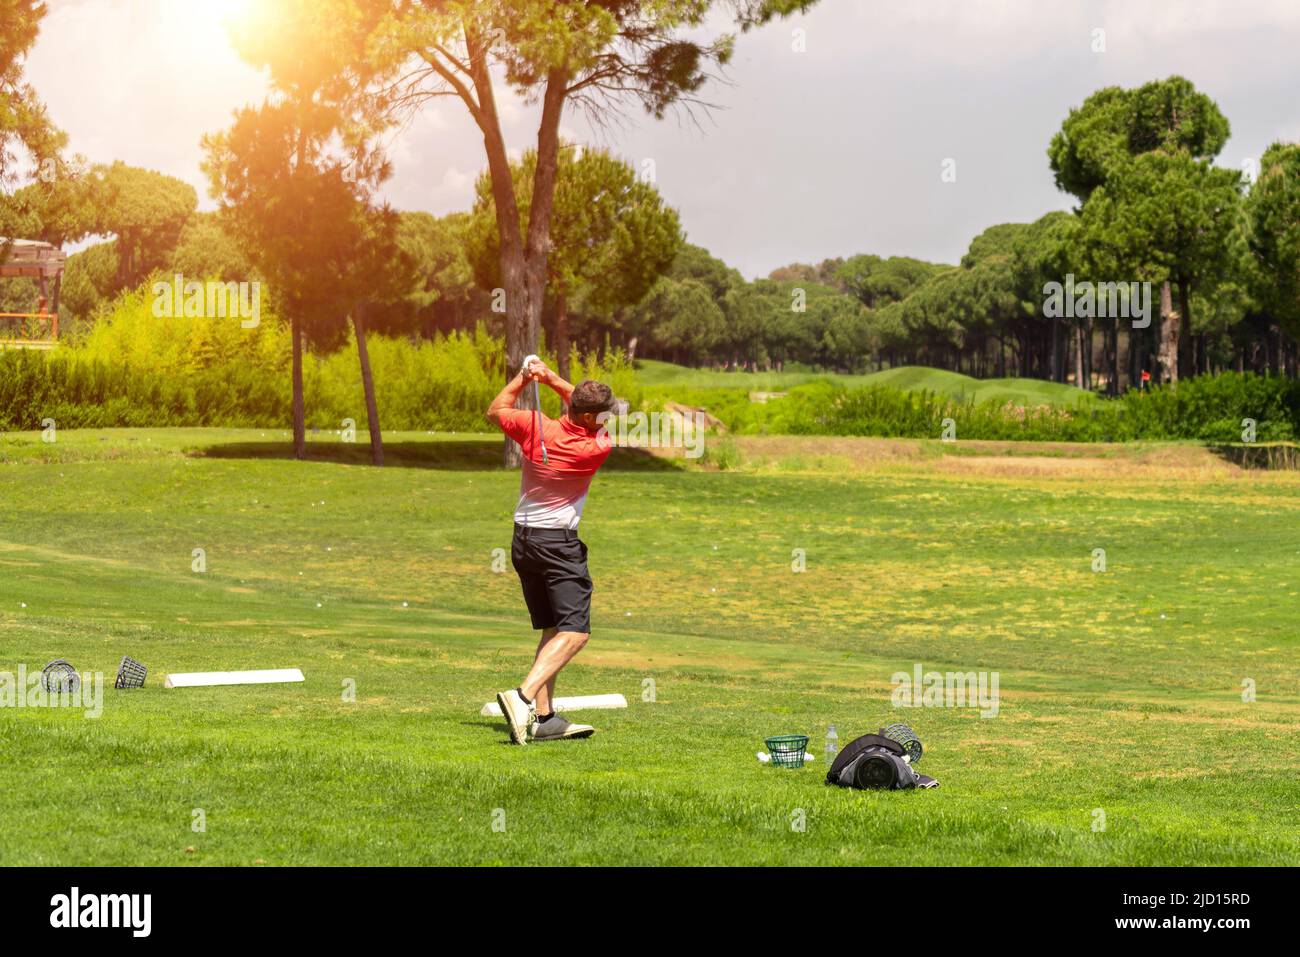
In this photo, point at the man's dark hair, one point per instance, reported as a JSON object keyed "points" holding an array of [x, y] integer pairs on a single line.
{"points": [[591, 396]]}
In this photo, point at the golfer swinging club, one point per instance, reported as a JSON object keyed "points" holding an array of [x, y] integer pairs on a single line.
{"points": [[561, 457]]}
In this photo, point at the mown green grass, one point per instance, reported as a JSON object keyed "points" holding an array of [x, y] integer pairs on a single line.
{"points": [[661, 376], [1024, 392], [1120, 691]]}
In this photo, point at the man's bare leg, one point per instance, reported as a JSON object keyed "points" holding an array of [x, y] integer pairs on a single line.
{"points": [[546, 694], [552, 655]]}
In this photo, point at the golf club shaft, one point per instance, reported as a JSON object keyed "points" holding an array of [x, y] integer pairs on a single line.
{"points": [[537, 401]]}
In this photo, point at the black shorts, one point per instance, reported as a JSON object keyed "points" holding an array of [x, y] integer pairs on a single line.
{"points": [[552, 566]]}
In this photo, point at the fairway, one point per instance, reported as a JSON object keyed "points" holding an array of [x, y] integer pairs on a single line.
{"points": [[1121, 691], [954, 385]]}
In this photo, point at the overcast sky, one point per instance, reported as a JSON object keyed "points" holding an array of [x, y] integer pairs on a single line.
{"points": [[833, 150]]}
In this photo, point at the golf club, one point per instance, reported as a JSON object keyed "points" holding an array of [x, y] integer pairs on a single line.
{"points": [[537, 405]]}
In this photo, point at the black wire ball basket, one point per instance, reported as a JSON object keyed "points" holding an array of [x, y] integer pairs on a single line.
{"points": [[905, 736]]}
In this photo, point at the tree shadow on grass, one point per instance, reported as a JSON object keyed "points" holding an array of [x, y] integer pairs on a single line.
{"points": [[1264, 455], [451, 455]]}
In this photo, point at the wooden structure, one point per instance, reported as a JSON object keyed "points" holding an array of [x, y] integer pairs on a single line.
{"points": [[30, 259]]}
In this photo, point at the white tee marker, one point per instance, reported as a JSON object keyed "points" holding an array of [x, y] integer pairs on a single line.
{"points": [[205, 679]]}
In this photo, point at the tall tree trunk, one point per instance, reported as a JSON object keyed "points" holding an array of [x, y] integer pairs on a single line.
{"points": [[44, 305], [299, 420], [1087, 354], [368, 385], [299, 413], [1186, 364], [54, 304], [537, 246], [1054, 371], [1079, 359], [1136, 359], [510, 237], [1114, 358], [523, 264], [561, 335], [1065, 343], [1169, 336]]}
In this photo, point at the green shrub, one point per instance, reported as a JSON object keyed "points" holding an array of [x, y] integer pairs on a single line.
{"points": [[133, 369], [722, 453], [1209, 408]]}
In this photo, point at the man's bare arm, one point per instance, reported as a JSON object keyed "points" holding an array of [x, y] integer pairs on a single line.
{"points": [[538, 371], [562, 389], [505, 399]]}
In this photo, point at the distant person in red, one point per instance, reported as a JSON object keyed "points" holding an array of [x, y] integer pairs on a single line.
{"points": [[561, 457]]}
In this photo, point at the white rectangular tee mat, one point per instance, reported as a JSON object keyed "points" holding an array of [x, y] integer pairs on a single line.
{"points": [[579, 703], [204, 679]]}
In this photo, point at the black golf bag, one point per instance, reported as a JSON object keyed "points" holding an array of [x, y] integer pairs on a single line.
{"points": [[874, 762]]}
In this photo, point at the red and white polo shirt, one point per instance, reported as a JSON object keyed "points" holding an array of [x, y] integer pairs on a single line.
{"points": [[551, 495]]}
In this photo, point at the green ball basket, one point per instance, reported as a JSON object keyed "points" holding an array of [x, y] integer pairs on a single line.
{"points": [[788, 750]]}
